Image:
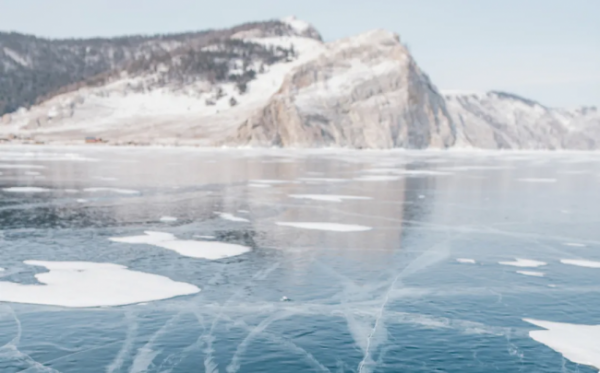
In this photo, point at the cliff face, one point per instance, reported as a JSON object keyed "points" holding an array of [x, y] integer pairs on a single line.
{"points": [[360, 92], [498, 120]]}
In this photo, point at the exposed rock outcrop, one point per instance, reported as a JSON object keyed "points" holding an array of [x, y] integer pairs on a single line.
{"points": [[361, 92]]}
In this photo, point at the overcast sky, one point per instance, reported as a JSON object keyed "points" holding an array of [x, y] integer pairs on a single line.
{"points": [[547, 50]]}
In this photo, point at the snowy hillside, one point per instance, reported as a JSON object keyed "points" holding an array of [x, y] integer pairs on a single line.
{"points": [[498, 120]]}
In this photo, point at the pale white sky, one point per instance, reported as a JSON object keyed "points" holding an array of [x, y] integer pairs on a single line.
{"points": [[546, 50]]}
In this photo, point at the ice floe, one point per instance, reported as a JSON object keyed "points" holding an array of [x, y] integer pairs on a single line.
{"points": [[575, 342], [26, 190], [111, 190], [531, 273], [87, 284], [334, 227], [194, 249], [524, 263], [327, 197], [537, 180], [231, 217], [466, 261], [168, 219], [581, 263]]}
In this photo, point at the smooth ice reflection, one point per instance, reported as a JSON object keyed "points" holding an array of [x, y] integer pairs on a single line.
{"points": [[26, 190], [87, 284]]}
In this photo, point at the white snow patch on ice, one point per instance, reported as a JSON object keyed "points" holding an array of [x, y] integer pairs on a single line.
{"points": [[524, 263], [259, 185], [1, 269], [466, 261], [574, 244], [581, 263], [531, 273], [86, 284], [193, 249], [21, 166], [26, 190], [377, 178], [322, 179], [168, 219], [231, 217], [328, 197], [111, 190], [81, 200], [334, 227], [267, 181], [575, 342], [537, 180]]}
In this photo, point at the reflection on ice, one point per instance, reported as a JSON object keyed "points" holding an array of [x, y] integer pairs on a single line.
{"points": [[334, 227], [537, 180], [86, 284], [578, 343], [466, 261], [193, 249], [573, 244]]}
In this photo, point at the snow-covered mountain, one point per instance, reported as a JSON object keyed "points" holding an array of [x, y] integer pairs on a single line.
{"points": [[498, 120], [273, 83]]}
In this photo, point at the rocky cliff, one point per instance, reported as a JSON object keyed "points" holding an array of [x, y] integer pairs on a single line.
{"points": [[271, 83]]}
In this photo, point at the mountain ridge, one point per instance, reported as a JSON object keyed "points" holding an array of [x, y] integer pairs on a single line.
{"points": [[276, 83]]}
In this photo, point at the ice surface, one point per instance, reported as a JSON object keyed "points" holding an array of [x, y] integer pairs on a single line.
{"points": [[87, 284], [26, 190], [466, 261], [31, 173], [327, 197], [168, 219], [111, 190], [578, 343], [573, 244], [259, 185], [231, 217], [334, 227], [524, 263], [2, 269], [531, 273], [81, 200], [210, 250], [537, 180], [581, 263], [377, 178]]}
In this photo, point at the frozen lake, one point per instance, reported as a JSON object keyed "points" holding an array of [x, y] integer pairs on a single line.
{"points": [[185, 260]]}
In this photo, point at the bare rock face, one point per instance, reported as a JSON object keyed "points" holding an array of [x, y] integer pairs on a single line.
{"points": [[361, 92]]}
